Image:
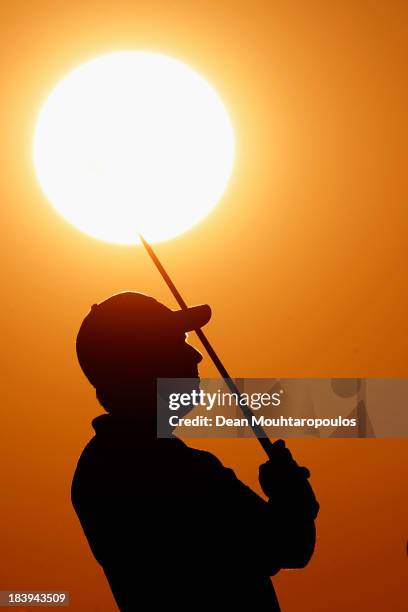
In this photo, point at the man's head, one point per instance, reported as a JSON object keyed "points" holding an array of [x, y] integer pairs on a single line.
{"points": [[129, 340]]}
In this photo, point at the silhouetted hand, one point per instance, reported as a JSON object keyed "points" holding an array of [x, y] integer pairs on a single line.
{"points": [[286, 483]]}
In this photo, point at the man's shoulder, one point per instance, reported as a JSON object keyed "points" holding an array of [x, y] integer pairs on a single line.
{"points": [[86, 462], [88, 453], [168, 459], [203, 460], [205, 457]]}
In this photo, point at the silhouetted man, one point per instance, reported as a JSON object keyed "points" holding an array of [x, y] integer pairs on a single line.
{"points": [[170, 525]]}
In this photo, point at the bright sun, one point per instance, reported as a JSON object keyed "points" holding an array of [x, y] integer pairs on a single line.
{"points": [[133, 142]]}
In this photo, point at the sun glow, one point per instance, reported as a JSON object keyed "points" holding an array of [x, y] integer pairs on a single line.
{"points": [[133, 142]]}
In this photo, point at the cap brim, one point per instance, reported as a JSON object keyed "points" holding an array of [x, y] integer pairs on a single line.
{"points": [[192, 318]]}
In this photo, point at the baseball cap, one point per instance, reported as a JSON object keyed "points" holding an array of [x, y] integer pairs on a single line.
{"points": [[128, 324]]}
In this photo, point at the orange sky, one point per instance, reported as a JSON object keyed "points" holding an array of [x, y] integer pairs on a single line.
{"points": [[303, 263]]}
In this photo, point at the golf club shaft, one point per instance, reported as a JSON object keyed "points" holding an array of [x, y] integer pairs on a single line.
{"points": [[257, 429]]}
